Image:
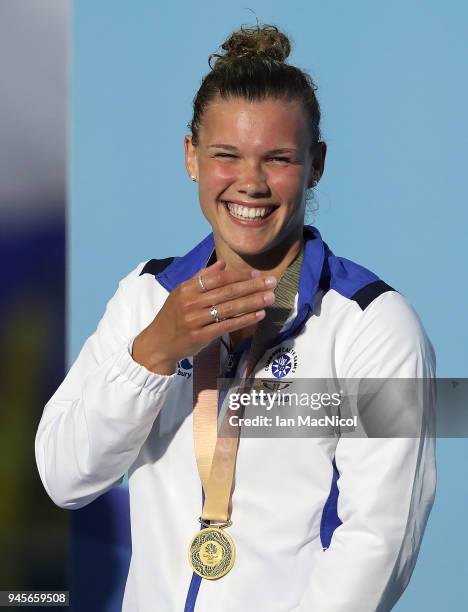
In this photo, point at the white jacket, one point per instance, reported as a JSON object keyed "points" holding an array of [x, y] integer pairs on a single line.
{"points": [[320, 524]]}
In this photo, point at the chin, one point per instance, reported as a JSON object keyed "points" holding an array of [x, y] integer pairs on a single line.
{"points": [[250, 249]]}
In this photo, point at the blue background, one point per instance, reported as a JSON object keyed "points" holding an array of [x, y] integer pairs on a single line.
{"points": [[392, 87]]}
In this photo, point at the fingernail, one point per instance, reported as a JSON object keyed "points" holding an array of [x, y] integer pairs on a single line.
{"points": [[260, 314], [269, 297], [255, 273], [270, 281]]}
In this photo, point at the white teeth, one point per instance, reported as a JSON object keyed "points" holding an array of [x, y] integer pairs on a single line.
{"points": [[245, 212]]}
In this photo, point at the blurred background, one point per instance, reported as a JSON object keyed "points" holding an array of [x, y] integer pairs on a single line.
{"points": [[392, 83], [34, 48]]}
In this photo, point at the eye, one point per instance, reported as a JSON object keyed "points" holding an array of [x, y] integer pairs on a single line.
{"points": [[224, 155], [281, 159]]}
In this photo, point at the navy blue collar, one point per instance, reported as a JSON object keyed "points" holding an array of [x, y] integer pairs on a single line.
{"points": [[321, 269], [183, 268], [186, 266]]}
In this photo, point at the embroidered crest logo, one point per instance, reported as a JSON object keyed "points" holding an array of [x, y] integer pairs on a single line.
{"points": [[282, 363]]}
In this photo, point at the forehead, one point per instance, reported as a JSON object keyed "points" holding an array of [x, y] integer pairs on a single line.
{"points": [[268, 123]]}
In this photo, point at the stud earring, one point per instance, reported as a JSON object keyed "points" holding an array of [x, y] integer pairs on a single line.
{"points": [[194, 178]]}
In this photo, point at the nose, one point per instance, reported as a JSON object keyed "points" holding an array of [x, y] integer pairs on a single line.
{"points": [[252, 180]]}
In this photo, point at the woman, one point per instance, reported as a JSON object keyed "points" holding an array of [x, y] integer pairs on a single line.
{"points": [[324, 523]]}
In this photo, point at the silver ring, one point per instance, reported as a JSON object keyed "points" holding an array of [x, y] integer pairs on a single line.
{"points": [[214, 314], [201, 283]]}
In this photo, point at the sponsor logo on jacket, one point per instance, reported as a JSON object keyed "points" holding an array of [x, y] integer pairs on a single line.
{"points": [[184, 368]]}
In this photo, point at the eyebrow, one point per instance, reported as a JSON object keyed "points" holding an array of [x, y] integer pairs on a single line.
{"points": [[271, 152]]}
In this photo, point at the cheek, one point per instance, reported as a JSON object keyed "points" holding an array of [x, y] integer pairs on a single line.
{"points": [[216, 179], [216, 173], [288, 184]]}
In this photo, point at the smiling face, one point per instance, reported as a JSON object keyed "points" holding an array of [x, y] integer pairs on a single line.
{"points": [[253, 164]]}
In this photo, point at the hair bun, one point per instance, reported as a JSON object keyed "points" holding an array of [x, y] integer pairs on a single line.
{"points": [[263, 41]]}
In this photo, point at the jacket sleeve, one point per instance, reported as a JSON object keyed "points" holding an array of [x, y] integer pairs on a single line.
{"points": [[386, 485], [94, 425]]}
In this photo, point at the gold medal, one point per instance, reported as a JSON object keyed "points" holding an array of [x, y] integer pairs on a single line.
{"points": [[212, 553]]}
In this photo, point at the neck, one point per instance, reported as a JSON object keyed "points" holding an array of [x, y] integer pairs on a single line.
{"points": [[272, 262]]}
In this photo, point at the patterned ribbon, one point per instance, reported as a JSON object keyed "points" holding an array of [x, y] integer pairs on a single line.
{"points": [[216, 455]]}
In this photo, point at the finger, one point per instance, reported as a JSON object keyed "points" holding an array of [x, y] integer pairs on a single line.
{"points": [[198, 281], [214, 330], [236, 290], [217, 265], [232, 308], [220, 278]]}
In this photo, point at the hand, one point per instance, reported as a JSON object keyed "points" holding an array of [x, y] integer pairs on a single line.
{"points": [[184, 324]]}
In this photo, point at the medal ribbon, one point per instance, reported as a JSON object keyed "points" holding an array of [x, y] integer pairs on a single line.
{"points": [[216, 456]]}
